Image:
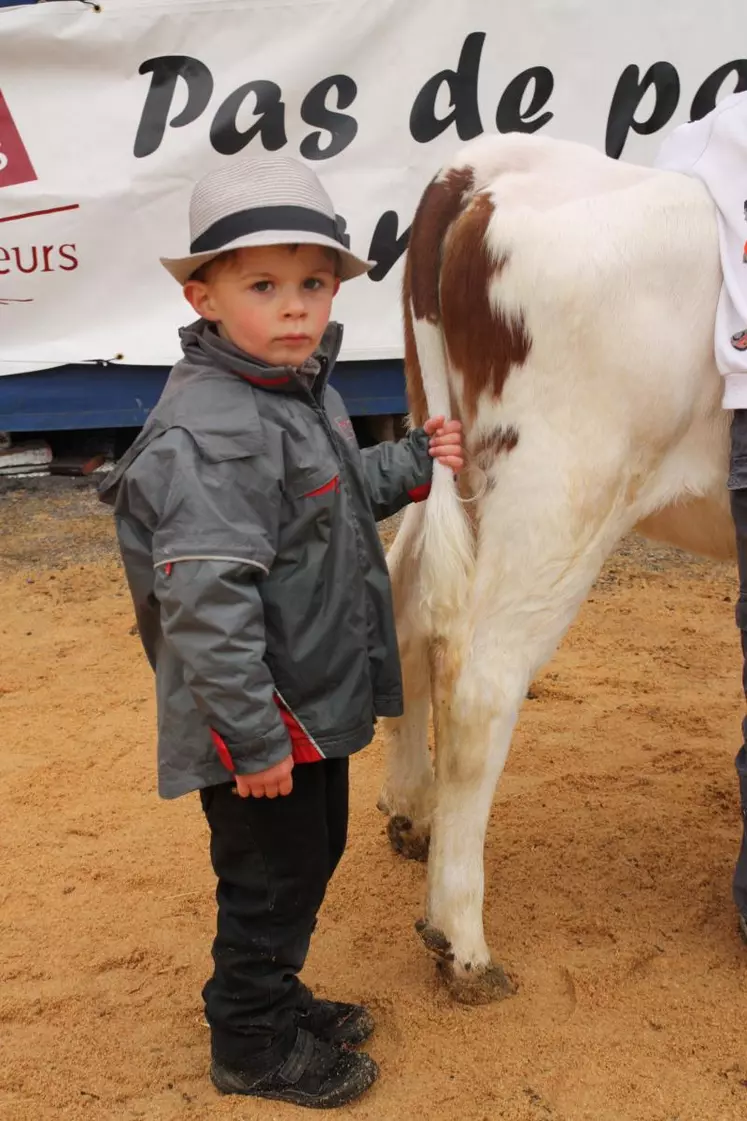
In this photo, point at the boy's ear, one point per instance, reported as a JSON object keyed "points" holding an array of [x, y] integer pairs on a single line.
{"points": [[198, 295], [337, 286]]}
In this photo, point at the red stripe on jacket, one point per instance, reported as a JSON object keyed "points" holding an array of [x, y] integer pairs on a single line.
{"points": [[333, 484], [302, 748], [265, 383], [223, 753], [419, 494]]}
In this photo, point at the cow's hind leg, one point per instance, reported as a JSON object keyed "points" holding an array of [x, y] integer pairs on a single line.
{"points": [[407, 796], [536, 560]]}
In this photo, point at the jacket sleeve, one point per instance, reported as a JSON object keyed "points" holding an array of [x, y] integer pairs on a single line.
{"points": [[397, 473], [212, 617], [214, 537]]}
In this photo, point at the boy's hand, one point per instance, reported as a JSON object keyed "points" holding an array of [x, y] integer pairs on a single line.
{"points": [[267, 784], [445, 442]]}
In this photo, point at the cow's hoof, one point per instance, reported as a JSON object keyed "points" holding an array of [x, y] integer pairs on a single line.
{"points": [[466, 984], [435, 940], [478, 986], [406, 839]]}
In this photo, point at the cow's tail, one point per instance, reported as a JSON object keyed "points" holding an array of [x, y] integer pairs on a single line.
{"points": [[448, 555], [448, 547]]}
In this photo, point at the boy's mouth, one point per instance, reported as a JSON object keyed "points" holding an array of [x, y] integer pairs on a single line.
{"points": [[293, 338]]}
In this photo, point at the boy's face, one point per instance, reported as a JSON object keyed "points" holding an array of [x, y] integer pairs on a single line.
{"points": [[274, 302]]}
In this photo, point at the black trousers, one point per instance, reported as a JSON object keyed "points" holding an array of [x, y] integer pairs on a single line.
{"points": [[738, 488], [273, 859]]}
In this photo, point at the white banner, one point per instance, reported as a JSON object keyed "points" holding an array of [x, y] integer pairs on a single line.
{"points": [[110, 111]]}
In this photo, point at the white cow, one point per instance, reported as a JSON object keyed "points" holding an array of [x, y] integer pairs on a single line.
{"points": [[562, 304]]}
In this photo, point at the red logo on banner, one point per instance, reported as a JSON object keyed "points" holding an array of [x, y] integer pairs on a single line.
{"points": [[15, 165]]}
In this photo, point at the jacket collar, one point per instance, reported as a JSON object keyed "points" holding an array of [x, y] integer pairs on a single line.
{"points": [[201, 342]]}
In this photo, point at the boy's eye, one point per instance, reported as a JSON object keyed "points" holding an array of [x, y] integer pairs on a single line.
{"points": [[261, 286], [313, 283]]}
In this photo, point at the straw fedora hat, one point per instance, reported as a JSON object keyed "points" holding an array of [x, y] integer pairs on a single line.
{"points": [[262, 200]]}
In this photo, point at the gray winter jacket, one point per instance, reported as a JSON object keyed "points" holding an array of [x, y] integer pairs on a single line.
{"points": [[246, 515]]}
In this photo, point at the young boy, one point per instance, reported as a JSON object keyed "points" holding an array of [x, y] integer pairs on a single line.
{"points": [[246, 519]]}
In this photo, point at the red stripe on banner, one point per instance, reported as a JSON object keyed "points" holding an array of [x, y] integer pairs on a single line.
{"points": [[333, 484], [36, 213], [302, 748], [15, 165], [223, 753], [419, 494]]}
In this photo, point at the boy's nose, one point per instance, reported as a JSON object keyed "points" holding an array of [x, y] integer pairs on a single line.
{"points": [[294, 307]]}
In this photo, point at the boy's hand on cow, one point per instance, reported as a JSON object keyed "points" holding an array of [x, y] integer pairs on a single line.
{"points": [[267, 784], [445, 442]]}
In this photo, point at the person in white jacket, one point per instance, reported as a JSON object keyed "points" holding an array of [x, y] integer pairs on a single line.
{"points": [[714, 150]]}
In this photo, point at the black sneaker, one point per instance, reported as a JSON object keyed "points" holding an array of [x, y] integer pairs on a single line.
{"points": [[315, 1074], [344, 1025]]}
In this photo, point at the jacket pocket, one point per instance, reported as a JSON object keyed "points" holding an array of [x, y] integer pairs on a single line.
{"points": [[332, 485], [323, 479], [311, 509]]}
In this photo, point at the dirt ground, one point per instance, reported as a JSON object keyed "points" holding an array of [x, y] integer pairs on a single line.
{"points": [[608, 869]]}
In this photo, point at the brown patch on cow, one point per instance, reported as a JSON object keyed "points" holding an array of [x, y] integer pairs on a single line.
{"points": [[485, 450], [439, 206], [482, 343]]}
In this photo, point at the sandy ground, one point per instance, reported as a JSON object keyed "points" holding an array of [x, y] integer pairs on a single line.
{"points": [[608, 866]]}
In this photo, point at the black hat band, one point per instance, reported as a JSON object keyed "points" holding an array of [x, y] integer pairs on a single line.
{"points": [[259, 218]]}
